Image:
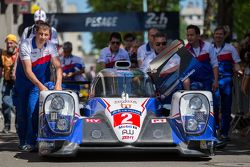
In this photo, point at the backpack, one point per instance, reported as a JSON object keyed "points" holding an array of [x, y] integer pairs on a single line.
{"points": [[29, 31]]}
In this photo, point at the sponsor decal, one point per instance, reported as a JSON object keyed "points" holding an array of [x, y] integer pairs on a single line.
{"points": [[93, 120], [125, 110], [125, 101], [101, 21], [143, 105], [157, 121], [127, 137], [128, 132], [126, 118], [127, 127]]}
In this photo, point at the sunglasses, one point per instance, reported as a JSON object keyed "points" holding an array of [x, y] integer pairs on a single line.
{"points": [[160, 43], [115, 42]]}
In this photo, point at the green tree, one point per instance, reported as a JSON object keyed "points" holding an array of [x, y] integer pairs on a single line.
{"points": [[241, 17], [209, 15], [233, 13]]}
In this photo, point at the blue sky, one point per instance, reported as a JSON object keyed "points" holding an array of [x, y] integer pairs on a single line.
{"points": [[82, 7]]}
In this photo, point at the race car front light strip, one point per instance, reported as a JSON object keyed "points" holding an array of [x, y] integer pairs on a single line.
{"points": [[194, 112]]}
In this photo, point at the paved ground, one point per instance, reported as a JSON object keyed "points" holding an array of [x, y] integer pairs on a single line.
{"points": [[238, 145]]}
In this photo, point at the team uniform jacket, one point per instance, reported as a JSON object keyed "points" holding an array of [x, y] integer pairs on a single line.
{"points": [[72, 64], [26, 94], [145, 54], [109, 59], [40, 59], [203, 62], [227, 56]]}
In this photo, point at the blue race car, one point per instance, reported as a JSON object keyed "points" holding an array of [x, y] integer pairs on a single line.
{"points": [[123, 112]]}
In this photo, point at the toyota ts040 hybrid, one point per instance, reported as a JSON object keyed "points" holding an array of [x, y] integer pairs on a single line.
{"points": [[124, 113]]}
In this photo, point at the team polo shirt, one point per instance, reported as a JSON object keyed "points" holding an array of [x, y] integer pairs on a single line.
{"points": [[227, 56], [53, 37], [110, 58], [40, 60], [145, 54], [203, 62], [73, 64], [204, 53]]}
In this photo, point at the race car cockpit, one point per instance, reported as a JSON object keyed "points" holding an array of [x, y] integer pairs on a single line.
{"points": [[117, 82]]}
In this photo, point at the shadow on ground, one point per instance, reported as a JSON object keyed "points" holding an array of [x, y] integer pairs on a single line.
{"points": [[238, 146]]}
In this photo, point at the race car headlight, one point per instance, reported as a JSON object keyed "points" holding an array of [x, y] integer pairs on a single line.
{"points": [[59, 112], [194, 111], [191, 125], [57, 103], [195, 103], [62, 124]]}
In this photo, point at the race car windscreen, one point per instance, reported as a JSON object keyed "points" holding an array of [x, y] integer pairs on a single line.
{"points": [[134, 86]]}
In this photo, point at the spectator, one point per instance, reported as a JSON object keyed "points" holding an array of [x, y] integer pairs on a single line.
{"points": [[109, 55], [39, 17], [133, 54], [246, 82], [160, 43], [35, 56], [128, 39], [91, 74], [228, 59], [245, 50], [162, 83], [204, 62], [8, 58], [244, 131], [146, 52]]}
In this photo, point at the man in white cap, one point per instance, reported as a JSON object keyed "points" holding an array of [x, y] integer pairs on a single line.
{"points": [[39, 17]]}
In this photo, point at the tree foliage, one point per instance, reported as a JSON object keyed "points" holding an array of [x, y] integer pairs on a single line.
{"points": [[233, 13], [100, 39], [241, 17]]}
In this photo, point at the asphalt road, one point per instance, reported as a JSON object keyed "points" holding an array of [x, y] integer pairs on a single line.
{"points": [[236, 154]]}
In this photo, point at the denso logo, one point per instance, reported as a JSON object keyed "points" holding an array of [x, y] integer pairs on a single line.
{"points": [[125, 101], [92, 120]]}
